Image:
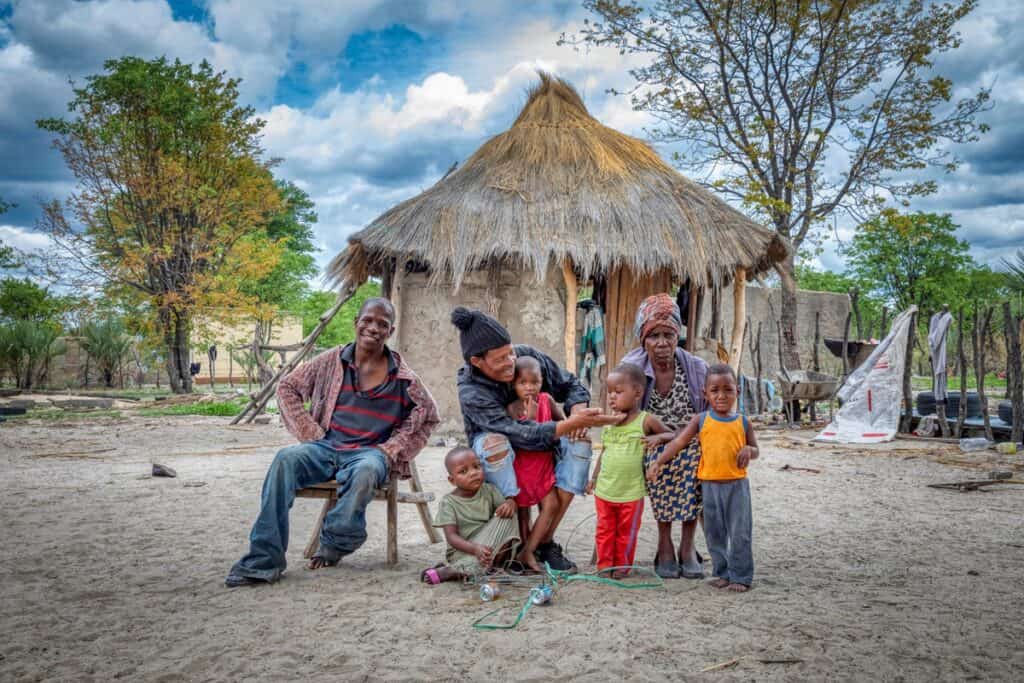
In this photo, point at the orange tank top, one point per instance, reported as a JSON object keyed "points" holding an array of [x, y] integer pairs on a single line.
{"points": [[720, 442]]}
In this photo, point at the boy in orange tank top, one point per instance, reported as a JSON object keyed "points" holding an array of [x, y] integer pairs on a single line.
{"points": [[727, 444]]}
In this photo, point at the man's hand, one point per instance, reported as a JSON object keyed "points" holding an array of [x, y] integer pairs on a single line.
{"points": [[485, 554], [746, 454], [506, 509], [580, 409]]}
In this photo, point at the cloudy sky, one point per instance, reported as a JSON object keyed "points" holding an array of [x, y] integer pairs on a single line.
{"points": [[369, 101]]}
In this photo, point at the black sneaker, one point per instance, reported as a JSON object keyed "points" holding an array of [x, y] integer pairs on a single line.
{"points": [[552, 554]]}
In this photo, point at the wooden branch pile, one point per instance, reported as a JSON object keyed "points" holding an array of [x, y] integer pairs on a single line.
{"points": [[258, 401]]}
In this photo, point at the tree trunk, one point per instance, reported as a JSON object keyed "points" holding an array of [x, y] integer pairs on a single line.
{"points": [[788, 316], [175, 329]]}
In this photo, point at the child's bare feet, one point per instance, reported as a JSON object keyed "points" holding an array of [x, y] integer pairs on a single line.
{"points": [[718, 583], [529, 561], [737, 588]]}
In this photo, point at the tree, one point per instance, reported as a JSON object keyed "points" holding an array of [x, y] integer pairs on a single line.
{"points": [[108, 344], [341, 329], [8, 258], [769, 96], [285, 287], [1013, 275], [22, 299], [869, 308], [173, 196], [909, 259]]}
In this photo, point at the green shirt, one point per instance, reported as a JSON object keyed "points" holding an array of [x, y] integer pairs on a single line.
{"points": [[468, 515], [621, 479]]}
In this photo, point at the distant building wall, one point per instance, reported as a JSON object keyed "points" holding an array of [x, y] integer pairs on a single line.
{"points": [[534, 314], [832, 308], [286, 330]]}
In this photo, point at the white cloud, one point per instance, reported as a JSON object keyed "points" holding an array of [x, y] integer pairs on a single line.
{"points": [[24, 240]]}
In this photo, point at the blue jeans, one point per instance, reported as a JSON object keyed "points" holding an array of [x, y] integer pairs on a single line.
{"points": [[572, 464], [358, 472], [728, 529]]}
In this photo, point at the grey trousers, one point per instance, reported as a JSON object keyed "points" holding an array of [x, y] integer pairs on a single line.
{"points": [[728, 529]]}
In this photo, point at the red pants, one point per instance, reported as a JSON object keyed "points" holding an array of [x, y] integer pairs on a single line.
{"points": [[617, 528]]}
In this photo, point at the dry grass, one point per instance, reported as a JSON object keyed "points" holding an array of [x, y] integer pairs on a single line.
{"points": [[557, 185]]}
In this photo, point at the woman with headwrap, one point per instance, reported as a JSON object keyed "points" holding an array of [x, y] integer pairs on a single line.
{"points": [[674, 394]]}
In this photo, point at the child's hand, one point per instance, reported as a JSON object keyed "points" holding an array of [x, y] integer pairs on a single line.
{"points": [[485, 554], [652, 441], [746, 454], [653, 471], [590, 487], [506, 509], [529, 409]]}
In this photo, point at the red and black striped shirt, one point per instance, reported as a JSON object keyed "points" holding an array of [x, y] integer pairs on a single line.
{"points": [[364, 418]]}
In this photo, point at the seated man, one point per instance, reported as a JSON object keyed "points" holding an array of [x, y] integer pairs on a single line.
{"points": [[485, 389], [369, 413]]}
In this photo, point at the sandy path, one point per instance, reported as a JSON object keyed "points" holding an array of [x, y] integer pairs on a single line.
{"points": [[862, 572]]}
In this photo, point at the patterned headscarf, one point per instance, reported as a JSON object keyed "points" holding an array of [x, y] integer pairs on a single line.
{"points": [[657, 310]]}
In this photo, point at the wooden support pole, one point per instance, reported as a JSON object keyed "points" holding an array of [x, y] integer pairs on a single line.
{"points": [[259, 401], [571, 294], [979, 339], [846, 346], [908, 394], [392, 541], [961, 359], [739, 318], [1015, 381], [691, 319]]}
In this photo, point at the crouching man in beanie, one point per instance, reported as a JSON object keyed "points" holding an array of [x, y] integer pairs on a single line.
{"points": [[485, 391]]}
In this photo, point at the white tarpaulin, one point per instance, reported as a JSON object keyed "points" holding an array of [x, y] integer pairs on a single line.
{"points": [[872, 396]]}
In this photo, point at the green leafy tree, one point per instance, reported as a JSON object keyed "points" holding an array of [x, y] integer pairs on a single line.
{"points": [[108, 344], [915, 258], [8, 258], [22, 299], [341, 329], [770, 96], [173, 196]]}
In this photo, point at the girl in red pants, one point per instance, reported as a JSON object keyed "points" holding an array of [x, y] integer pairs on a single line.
{"points": [[618, 481]]}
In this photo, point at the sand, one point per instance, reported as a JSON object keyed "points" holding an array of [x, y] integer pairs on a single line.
{"points": [[862, 573]]}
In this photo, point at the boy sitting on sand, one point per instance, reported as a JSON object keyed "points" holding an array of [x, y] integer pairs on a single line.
{"points": [[479, 523]]}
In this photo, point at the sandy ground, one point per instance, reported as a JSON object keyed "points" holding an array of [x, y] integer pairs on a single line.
{"points": [[862, 573]]}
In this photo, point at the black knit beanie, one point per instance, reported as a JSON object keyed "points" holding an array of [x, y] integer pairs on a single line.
{"points": [[478, 332]]}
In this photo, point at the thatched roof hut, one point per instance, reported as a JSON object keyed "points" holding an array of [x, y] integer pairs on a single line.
{"points": [[565, 199]]}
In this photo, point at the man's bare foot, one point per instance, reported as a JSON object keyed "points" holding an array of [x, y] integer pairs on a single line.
{"points": [[737, 588], [325, 557], [718, 583], [529, 561]]}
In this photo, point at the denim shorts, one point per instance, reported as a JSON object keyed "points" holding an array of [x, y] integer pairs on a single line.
{"points": [[501, 474], [572, 465]]}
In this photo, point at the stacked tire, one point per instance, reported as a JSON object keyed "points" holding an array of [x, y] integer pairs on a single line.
{"points": [[926, 404], [1006, 412]]}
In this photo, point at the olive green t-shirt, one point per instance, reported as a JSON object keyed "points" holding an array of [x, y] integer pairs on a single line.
{"points": [[468, 515]]}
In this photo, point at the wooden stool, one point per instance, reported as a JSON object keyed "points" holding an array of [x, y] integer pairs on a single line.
{"points": [[389, 493]]}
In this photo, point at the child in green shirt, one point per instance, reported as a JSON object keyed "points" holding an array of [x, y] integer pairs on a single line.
{"points": [[479, 523], [618, 481]]}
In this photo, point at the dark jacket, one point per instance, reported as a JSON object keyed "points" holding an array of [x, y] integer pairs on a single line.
{"points": [[484, 402]]}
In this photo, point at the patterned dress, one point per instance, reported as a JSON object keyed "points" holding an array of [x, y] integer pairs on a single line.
{"points": [[675, 495]]}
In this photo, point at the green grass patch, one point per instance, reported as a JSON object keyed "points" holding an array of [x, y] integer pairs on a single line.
{"points": [[992, 383], [215, 409]]}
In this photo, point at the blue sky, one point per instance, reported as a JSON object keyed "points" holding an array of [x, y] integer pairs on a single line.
{"points": [[369, 101]]}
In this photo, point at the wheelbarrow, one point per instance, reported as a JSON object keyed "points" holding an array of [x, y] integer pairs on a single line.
{"points": [[805, 385]]}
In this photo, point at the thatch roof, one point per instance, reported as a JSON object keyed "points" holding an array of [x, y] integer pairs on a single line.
{"points": [[559, 184]]}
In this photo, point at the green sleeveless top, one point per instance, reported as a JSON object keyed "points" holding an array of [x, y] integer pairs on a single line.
{"points": [[621, 479]]}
